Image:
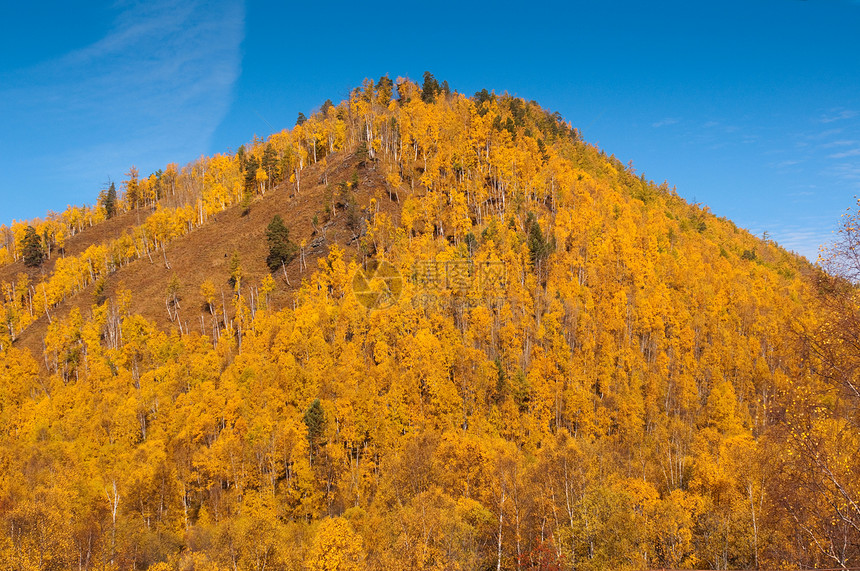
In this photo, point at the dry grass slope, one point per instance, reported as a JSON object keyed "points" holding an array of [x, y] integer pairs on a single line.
{"points": [[205, 253]]}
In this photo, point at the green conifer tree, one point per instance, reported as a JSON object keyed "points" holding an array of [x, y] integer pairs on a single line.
{"points": [[109, 201], [315, 421], [32, 249], [430, 88], [281, 249]]}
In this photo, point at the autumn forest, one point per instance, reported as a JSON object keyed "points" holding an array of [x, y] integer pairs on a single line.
{"points": [[422, 330]]}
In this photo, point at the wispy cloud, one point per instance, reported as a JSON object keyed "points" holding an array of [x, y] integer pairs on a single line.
{"points": [[721, 126], [805, 236], [845, 171], [805, 241], [154, 89], [845, 154], [786, 163], [839, 116], [665, 122], [841, 143], [821, 135]]}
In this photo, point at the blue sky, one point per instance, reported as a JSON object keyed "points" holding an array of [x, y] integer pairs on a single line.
{"points": [[751, 107]]}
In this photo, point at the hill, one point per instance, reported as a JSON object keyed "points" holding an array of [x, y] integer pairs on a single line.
{"points": [[494, 347]]}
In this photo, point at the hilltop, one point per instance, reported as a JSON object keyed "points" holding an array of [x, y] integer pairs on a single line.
{"points": [[491, 345]]}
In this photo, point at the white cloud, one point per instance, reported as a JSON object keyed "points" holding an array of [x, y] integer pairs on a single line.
{"points": [[839, 116], [665, 122], [153, 90], [845, 154], [786, 163], [823, 134], [805, 238], [842, 143], [845, 172]]}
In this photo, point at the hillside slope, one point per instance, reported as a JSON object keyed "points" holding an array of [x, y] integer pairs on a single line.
{"points": [[204, 254], [500, 348]]}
